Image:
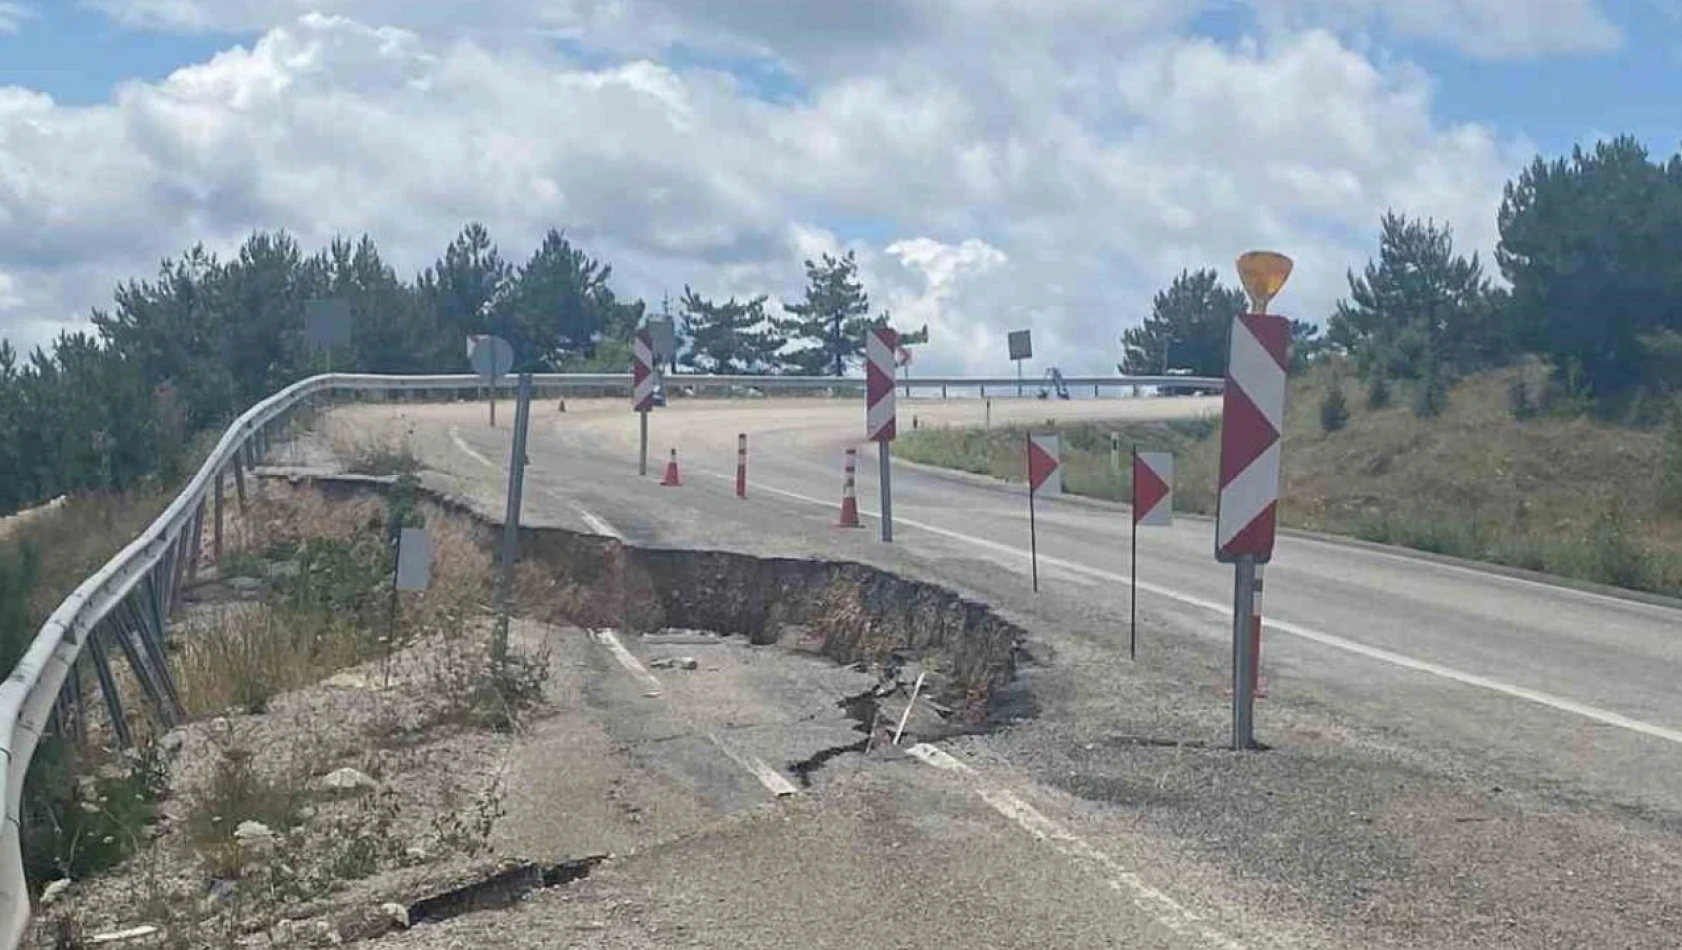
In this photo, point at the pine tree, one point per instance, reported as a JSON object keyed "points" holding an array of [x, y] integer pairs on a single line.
{"points": [[728, 338], [1188, 327], [1419, 301], [829, 325]]}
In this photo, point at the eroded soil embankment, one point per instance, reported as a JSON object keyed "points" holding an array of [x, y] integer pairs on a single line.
{"points": [[847, 611]]}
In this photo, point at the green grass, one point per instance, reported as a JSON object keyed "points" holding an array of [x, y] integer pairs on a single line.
{"points": [[1554, 492], [1089, 466]]}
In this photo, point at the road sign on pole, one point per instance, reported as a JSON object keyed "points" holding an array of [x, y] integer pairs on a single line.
{"points": [[880, 423], [1045, 473], [664, 337], [1021, 343], [1253, 412], [414, 559], [1153, 505], [327, 322], [642, 390], [490, 357]]}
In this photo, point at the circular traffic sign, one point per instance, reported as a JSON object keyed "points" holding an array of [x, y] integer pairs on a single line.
{"points": [[491, 356]]}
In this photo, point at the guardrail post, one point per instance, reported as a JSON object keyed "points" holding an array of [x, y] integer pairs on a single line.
{"points": [[197, 548], [124, 634], [216, 540], [180, 556], [75, 703], [108, 686], [154, 619], [239, 477]]}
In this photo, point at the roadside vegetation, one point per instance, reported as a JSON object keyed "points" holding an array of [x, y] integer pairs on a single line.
{"points": [[238, 802], [1547, 489]]}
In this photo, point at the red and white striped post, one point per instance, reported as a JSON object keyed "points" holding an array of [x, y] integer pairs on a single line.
{"points": [[849, 500], [642, 390], [880, 345], [1252, 417], [741, 465]]}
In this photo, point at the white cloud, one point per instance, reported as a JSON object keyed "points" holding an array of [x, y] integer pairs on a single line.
{"points": [[1055, 181], [12, 16], [1494, 29]]}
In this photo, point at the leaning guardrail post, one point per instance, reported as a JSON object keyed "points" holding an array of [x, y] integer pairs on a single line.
{"points": [[78, 706], [239, 477], [196, 550], [108, 685], [216, 541], [124, 635], [179, 558], [153, 620]]}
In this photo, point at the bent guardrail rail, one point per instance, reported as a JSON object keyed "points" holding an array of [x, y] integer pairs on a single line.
{"points": [[127, 602]]}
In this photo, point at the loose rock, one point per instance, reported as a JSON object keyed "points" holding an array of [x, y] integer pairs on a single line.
{"points": [[346, 781]]}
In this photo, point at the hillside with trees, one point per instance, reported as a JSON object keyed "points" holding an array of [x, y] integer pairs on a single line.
{"points": [[206, 337]]}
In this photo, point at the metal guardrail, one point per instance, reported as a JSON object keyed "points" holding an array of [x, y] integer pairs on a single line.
{"points": [[126, 604]]}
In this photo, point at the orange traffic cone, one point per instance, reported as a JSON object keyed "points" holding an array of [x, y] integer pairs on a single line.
{"points": [[671, 472], [849, 503]]}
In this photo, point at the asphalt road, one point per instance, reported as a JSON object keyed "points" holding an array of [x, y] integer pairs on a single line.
{"points": [[1459, 758]]}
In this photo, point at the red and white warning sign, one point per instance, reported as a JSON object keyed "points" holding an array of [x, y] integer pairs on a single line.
{"points": [[1045, 464], [1252, 414], [880, 346], [642, 371], [1153, 488]]}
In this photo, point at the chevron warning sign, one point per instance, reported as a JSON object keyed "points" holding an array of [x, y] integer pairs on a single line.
{"points": [[1252, 415], [1045, 464], [642, 371], [880, 344], [1153, 488]]}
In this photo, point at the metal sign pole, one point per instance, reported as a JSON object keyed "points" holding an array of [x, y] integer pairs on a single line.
{"points": [[1033, 540], [882, 452], [1133, 563], [1019, 379], [642, 449], [511, 517], [490, 390], [1243, 654]]}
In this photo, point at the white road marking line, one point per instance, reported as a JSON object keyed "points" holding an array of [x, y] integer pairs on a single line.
{"points": [[596, 524], [609, 639], [1163, 909], [1595, 713], [773, 780], [455, 436]]}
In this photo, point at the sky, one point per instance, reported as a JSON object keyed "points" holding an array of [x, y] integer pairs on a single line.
{"points": [[994, 164]]}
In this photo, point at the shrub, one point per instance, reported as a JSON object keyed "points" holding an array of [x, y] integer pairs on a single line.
{"points": [[1519, 401], [1670, 470], [1378, 391], [1430, 398], [1334, 409], [79, 819]]}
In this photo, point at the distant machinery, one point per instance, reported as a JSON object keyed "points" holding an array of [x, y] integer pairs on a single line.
{"points": [[1054, 383]]}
